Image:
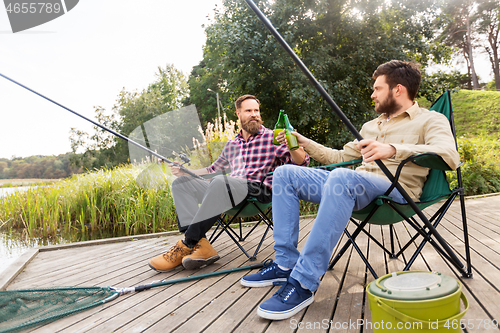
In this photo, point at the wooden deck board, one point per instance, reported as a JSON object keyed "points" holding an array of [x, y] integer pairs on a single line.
{"points": [[221, 304]]}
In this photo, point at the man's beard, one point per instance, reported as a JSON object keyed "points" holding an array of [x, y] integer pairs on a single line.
{"points": [[389, 106], [251, 126]]}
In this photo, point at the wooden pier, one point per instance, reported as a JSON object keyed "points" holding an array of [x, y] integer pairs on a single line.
{"points": [[220, 304]]}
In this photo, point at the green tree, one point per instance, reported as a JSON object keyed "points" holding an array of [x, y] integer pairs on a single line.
{"points": [[131, 110], [488, 17], [457, 21], [434, 85], [341, 42]]}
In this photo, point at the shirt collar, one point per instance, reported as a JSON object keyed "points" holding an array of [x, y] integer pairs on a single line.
{"points": [[411, 112]]}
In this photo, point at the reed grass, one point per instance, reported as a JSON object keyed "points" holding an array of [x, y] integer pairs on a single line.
{"points": [[126, 200], [104, 200]]}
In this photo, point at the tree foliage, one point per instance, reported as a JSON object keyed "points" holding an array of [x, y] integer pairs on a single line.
{"points": [[488, 18], [40, 167], [341, 42], [458, 22], [131, 110]]}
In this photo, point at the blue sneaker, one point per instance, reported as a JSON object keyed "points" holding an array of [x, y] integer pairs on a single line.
{"points": [[289, 300], [269, 275]]}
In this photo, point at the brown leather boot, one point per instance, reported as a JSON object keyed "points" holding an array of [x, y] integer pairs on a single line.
{"points": [[170, 259], [203, 255]]}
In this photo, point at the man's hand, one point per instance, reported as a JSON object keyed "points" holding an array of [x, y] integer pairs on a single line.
{"points": [[176, 170], [302, 140], [373, 150]]}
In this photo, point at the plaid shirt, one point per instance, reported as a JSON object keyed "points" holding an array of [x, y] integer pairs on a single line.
{"points": [[253, 159]]}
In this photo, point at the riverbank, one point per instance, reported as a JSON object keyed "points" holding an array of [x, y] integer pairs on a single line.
{"points": [[5, 183]]}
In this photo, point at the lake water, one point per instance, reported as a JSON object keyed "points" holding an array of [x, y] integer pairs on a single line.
{"points": [[12, 244], [9, 190]]}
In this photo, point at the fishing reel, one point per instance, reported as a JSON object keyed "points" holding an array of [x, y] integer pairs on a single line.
{"points": [[185, 159]]}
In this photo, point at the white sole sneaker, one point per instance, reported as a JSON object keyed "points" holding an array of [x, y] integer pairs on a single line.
{"points": [[280, 315]]}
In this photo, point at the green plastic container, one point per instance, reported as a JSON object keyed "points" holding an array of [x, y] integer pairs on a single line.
{"points": [[414, 301]]}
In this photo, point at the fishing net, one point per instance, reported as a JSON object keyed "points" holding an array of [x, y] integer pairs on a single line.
{"points": [[20, 309]]}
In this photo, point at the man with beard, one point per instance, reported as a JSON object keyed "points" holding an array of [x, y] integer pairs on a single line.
{"points": [[401, 130], [249, 156]]}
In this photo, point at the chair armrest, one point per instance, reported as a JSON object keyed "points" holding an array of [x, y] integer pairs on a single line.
{"points": [[427, 160], [326, 167], [430, 160], [339, 165]]}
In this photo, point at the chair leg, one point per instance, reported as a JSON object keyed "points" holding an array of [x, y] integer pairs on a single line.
{"points": [[370, 268], [348, 242], [269, 226], [392, 255], [468, 272]]}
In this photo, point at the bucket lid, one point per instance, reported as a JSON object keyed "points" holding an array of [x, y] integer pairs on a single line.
{"points": [[412, 286]]}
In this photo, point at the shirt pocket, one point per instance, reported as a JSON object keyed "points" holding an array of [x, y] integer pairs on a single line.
{"points": [[403, 139]]}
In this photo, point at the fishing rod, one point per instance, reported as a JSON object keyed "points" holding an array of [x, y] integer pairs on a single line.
{"points": [[349, 125], [121, 136]]}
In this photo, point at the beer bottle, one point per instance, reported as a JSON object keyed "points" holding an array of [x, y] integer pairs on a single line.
{"points": [[280, 126], [290, 138]]}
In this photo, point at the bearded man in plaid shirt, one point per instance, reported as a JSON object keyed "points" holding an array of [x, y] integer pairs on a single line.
{"points": [[249, 156]]}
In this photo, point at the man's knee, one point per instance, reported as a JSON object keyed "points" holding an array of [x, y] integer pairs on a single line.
{"points": [[181, 180], [341, 173], [284, 171]]}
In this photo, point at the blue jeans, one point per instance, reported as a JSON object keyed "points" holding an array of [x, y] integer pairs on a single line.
{"points": [[338, 193]]}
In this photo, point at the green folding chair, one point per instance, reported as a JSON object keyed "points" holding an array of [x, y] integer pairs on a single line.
{"points": [[249, 208], [384, 211]]}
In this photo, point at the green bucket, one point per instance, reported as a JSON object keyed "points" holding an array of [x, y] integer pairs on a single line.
{"points": [[416, 302]]}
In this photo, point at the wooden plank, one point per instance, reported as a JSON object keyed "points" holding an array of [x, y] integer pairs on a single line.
{"points": [[252, 322], [221, 304], [87, 271], [145, 307], [248, 303], [17, 267], [378, 260], [480, 294], [351, 294], [108, 315], [319, 314]]}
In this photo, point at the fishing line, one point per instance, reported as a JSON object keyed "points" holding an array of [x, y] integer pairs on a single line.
{"points": [[121, 136]]}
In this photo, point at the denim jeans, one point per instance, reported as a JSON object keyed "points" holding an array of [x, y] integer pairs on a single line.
{"points": [[338, 193]]}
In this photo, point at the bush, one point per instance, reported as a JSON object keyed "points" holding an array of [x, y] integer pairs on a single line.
{"points": [[480, 171]]}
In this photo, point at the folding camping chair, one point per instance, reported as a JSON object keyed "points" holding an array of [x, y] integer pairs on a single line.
{"points": [[248, 208], [384, 211]]}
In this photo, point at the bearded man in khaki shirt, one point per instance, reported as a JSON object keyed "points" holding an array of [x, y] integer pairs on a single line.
{"points": [[401, 130]]}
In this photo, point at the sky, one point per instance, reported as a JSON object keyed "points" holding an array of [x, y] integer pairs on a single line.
{"points": [[84, 58]]}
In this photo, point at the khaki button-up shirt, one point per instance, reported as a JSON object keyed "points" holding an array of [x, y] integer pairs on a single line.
{"points": [[412, 132]]}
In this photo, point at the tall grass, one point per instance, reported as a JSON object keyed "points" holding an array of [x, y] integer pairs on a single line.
{"points": [[108, 201], [127, 200]]}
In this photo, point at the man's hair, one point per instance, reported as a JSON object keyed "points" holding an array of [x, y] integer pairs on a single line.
{"points": [[244, 98], [400, 72]]}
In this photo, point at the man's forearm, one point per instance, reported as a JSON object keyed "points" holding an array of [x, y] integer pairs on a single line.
{"points": [[298, 155], [199, 172]]}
